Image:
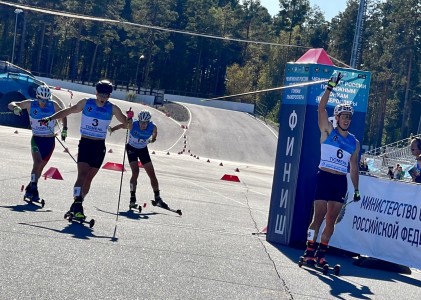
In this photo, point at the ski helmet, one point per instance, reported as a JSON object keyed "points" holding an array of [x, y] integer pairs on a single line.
{"points": [[144, 116], [43, 92], [104, 87], [340, 108]]}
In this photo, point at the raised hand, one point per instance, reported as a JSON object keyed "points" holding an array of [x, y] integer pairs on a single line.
{"points": [[334, 81]]}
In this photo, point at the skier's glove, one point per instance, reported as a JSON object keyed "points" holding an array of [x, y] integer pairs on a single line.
{"points": [[357, 196], [110, 129], [334, 81], [17, 110], [130, 114], [152, 140], [64, 134], [44, 121]]}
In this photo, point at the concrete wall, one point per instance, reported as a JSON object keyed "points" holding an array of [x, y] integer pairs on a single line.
{"points": [[244, 107], [148, 99]]}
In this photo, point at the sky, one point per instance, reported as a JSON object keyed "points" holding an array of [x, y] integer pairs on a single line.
{"points": [[330, 8]]}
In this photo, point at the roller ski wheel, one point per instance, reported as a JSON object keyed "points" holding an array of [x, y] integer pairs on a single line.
{"points": [[72, 219], [177, 211], [311, 263], [337, 269], [29, 200]]}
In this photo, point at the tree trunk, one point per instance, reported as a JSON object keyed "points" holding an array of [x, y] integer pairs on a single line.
{"points": [[40, 47], [75, 61], [382, 113], [406, 106], [93, 62], [50, 51], [22, 39]]}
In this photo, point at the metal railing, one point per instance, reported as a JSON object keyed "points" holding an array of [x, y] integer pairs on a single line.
{"points": [[380, 160]]}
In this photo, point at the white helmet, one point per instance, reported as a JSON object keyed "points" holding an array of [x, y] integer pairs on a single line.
{"points": [[43, 92], [144, 116], [340, 108]]}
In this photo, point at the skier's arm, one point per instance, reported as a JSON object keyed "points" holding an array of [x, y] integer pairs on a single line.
{"points": [[354, 170], [154, 134], [17, 107], [323, 120], [70, 110], [117, 127], [122, 118], [58, 108]]}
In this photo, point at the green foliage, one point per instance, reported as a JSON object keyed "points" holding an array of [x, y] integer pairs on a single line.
{"points": [[135, 55]]}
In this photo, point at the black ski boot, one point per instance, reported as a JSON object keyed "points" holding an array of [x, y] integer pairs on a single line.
{"points": [[159, 202], [31, 192], [309, 253], [76, 209], [133, 203], [28, 192], [35, 194], [320, 255]]}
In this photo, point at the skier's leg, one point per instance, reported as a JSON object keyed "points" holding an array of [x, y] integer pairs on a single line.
{"points": [[320, 208], [77, 208], [133, 182], [150, 170], [333, 210], [42, 149], [91, 173]]}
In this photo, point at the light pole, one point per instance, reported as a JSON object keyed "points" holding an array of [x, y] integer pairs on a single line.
{"points": [[17, 12], [141, 57]]}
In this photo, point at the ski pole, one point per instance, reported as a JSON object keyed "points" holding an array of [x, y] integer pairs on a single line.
{"points": [[67, 150], [122, 170], [348, 203]]}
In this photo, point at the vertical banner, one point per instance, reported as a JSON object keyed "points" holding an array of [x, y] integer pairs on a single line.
{"points": [[291, 128], [298, 150]]}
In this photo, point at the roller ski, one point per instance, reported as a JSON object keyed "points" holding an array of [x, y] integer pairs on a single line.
{"points": [[133, 205], [158, 202], [31, 196], [317, 260], [324, 268], [75, 214]]}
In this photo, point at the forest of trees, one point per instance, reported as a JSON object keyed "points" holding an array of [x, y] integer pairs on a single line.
{"points": [[168, 45]]}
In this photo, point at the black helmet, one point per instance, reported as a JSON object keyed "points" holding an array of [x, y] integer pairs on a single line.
{"points": [[104, 87]]}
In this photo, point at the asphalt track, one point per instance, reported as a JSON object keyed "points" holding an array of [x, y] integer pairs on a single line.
{"points": [[208, 253]]}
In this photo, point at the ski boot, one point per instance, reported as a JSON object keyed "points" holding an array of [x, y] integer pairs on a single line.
{"points": [[35, 194], [76, 209], [28, 192], [75, 214], [133, 204], [159, 202], [308, 256], [320, 255], [31, 195]]}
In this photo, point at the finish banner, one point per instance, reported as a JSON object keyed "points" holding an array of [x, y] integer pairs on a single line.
{"points": [[298, 150], [385, 224]]}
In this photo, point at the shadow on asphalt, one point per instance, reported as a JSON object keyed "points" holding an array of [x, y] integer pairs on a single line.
{"points": [[31, 207], [74, 229], [134, 215], [342, 285]]}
